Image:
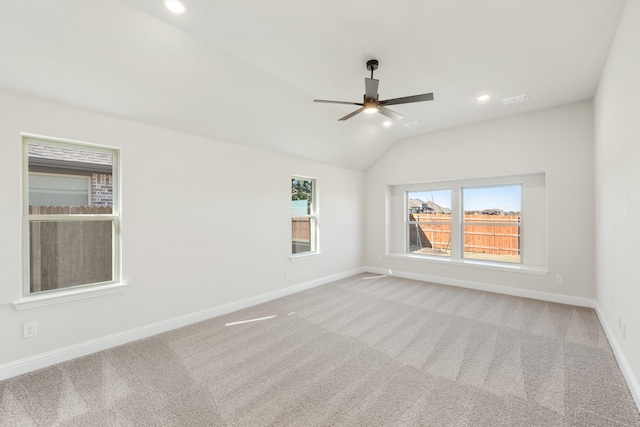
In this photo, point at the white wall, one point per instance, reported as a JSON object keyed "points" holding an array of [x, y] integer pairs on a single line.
{"points": [[617, 187], [204, 223], [556, 141]]}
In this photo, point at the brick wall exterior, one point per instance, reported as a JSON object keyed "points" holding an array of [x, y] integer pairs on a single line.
{"points": [[101, 190]]}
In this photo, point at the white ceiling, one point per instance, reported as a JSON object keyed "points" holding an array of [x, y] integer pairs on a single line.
{"points": [[246, 71]]}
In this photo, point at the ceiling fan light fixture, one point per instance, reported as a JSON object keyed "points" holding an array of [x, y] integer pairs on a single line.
{"points": [[370, 107], [175, 6]]}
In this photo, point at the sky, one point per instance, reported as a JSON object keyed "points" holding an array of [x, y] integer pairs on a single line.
{"points": [[508, 198]]}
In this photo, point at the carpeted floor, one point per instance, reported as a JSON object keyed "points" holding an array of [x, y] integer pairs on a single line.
{"points": [[357, 352]]}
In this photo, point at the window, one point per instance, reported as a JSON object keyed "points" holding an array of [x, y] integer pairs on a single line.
{"points": [[429, 222], [58, 190], [490, 226], [492, 222], [304, 220], [500, 221], [71, 215]]}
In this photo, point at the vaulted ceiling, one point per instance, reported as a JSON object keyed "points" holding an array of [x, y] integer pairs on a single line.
{"points": [[246, 71]]}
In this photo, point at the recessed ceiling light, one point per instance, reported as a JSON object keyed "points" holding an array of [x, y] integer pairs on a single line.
{"points": [[483, 98], [175, 6], [386, 124]]}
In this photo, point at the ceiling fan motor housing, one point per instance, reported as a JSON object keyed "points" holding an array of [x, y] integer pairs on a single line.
{"points": [[370, 105]]}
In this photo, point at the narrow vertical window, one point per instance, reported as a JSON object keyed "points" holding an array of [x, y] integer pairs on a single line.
{"points": [[71, 215], [429, 222], [304, 220], [492, 223]]}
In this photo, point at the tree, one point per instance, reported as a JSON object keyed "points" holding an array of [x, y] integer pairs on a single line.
{"points": [[301, 189]]}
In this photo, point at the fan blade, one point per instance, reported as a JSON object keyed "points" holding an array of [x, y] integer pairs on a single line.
{"points": [[408, 99], [371, 88], [348, 116], [336, 102], [391, 114]]}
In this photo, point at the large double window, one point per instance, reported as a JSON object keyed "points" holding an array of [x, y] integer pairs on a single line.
{"points": [[489, 221], [485, 220], [71, 215]]}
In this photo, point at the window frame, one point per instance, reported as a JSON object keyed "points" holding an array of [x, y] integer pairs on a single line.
{"points": [[29, 298], [312, 216]]}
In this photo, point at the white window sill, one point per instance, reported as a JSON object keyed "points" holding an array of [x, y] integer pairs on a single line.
{"points": [[51, 298], [305, 255], [486, 265]]}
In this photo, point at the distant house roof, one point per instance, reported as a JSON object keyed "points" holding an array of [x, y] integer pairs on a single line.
{"points": [[489, 212], [436, 208], [416, 203], [428, 206], [54, 159], [493, 212]]}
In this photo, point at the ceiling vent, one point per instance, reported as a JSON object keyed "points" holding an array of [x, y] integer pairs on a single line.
{"points": [[515, 99], [413, 124]]}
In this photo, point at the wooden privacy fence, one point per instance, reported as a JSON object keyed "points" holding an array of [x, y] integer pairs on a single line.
{"points": [[69, 253], [436, 235], [489, 234], [301, 230], [300, 235]]}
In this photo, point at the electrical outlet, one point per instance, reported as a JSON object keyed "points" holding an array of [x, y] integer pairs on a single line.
{"points": [[559, 279], [29, 329]]}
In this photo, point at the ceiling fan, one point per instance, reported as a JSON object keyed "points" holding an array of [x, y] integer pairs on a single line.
{"points": [[371, 103]]}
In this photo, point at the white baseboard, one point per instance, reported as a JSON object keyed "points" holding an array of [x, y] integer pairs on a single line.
{"points": [[53, 357], [632, 382], [525, 293]]}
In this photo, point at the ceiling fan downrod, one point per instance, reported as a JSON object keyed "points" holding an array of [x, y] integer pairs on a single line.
{"points": [[372, 65]]}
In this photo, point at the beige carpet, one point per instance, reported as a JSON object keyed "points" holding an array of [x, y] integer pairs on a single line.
{"points": [[357, 352]]}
